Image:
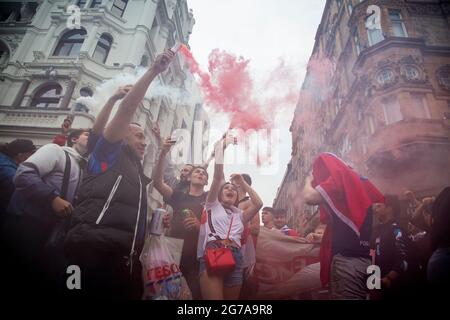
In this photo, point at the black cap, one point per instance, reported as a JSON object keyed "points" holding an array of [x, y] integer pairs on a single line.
{"points": [[20, 146]]}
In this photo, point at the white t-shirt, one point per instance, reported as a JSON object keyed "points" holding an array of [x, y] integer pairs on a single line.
{"points": [[218, 221]]}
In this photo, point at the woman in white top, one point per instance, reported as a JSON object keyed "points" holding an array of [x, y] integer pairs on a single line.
{"points": [[224, 226]]}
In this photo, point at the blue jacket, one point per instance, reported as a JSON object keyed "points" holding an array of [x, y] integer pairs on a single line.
{"points": [[8, 168]]}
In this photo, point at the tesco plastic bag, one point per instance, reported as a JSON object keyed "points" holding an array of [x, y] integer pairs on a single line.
{"points": [[162, 276]]}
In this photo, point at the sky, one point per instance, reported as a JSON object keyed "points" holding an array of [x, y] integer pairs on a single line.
{"points": [[262, 31]]}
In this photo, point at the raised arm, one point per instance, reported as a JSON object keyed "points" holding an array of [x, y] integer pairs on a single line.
{"points": [[219, 177], [255, 201], [118, 127], [157, 176], [103, 116], [311, 195]]}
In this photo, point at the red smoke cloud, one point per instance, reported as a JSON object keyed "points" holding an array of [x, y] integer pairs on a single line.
{"points": [[228, 87]]}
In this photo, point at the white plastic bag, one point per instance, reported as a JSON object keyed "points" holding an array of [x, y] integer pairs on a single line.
{"points": [[162, 277]]}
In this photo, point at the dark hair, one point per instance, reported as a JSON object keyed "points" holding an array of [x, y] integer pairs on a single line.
{"points": [[220, 194], [17, 146], [393, 202], [247, 178], [75, 134], [279, 212], [270, 209], [199, 167], [440, 227]]}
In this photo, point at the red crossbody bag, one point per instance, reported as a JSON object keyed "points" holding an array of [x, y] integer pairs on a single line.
{"points": [[220, 261]]}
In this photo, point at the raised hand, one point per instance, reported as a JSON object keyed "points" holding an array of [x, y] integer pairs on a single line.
{"points": [[162, 61], [121, 92], [168, 143], [67, 124], [238, 180]]}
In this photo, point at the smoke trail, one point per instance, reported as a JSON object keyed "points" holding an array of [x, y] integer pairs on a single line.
{"points": [[157, 89]]}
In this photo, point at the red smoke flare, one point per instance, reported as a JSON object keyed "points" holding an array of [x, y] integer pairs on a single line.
{"points": [[229, 88]]}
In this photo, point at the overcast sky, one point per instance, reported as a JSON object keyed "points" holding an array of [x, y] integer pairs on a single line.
{"points": [[262, 31]]}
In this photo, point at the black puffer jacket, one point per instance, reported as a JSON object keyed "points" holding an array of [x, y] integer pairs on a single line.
{"points": [[111, 211]]}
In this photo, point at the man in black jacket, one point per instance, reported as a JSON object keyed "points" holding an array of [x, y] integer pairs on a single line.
{"points": [[108, 226], [389, 244]]}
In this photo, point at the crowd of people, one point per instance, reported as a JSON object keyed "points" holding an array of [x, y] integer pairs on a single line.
{"points": [[82, 200]]}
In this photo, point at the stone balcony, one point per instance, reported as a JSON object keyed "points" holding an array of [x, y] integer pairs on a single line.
{"points": [[40, 125], [408, 132]]}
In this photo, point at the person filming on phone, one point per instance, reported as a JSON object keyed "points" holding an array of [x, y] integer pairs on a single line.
{"points": [[187, 210]]}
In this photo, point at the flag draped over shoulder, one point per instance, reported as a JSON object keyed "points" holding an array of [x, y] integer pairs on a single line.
{"points": [[347, 194]]}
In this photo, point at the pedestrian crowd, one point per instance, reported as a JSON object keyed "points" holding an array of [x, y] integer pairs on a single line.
{"points": [[82, 200]]}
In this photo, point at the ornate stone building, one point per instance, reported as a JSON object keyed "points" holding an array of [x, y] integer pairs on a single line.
{"points": [[46, 64], [385, 105]]}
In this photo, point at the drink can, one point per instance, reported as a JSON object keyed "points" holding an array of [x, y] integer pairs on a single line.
{"points": [[188, 213], [156, 225]]}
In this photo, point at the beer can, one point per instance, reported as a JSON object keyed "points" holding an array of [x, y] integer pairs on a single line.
{"points": [[188, 213], [156, 225]]}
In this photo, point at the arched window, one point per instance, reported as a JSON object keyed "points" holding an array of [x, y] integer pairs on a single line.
{"points": [[70, 43], [102, 49], [47, 97]]}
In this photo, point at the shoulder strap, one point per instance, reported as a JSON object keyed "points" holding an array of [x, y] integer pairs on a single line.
{"points": [[66, 177], [229, 229]]}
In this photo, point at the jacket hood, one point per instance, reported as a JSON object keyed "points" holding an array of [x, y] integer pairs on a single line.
{"points": [[74, 153]]}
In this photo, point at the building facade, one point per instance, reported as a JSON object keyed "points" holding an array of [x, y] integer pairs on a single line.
{"points": [[383, 102], [48, 61]]}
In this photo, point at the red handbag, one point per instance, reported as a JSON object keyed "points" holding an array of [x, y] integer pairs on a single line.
{"points": [[220, 261]]}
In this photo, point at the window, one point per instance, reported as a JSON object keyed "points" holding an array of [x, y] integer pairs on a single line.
{"points": [[86, 92], [357, 42], [96, 3], [412, 73], [443, 75], [19, 11], [392, 111], [419, 106], [346, 145], [359, 114], [70, 43], [102, 49], [398, 26], [371, 124], [4, 54], [154, 29], [386, 77], [81, 3], [144, 61], [47, 97], [364, 144], [118, 7], [375, 36]]}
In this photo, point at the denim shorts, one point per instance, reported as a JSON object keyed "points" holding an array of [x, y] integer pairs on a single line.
{"points": [[234, 278]]}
